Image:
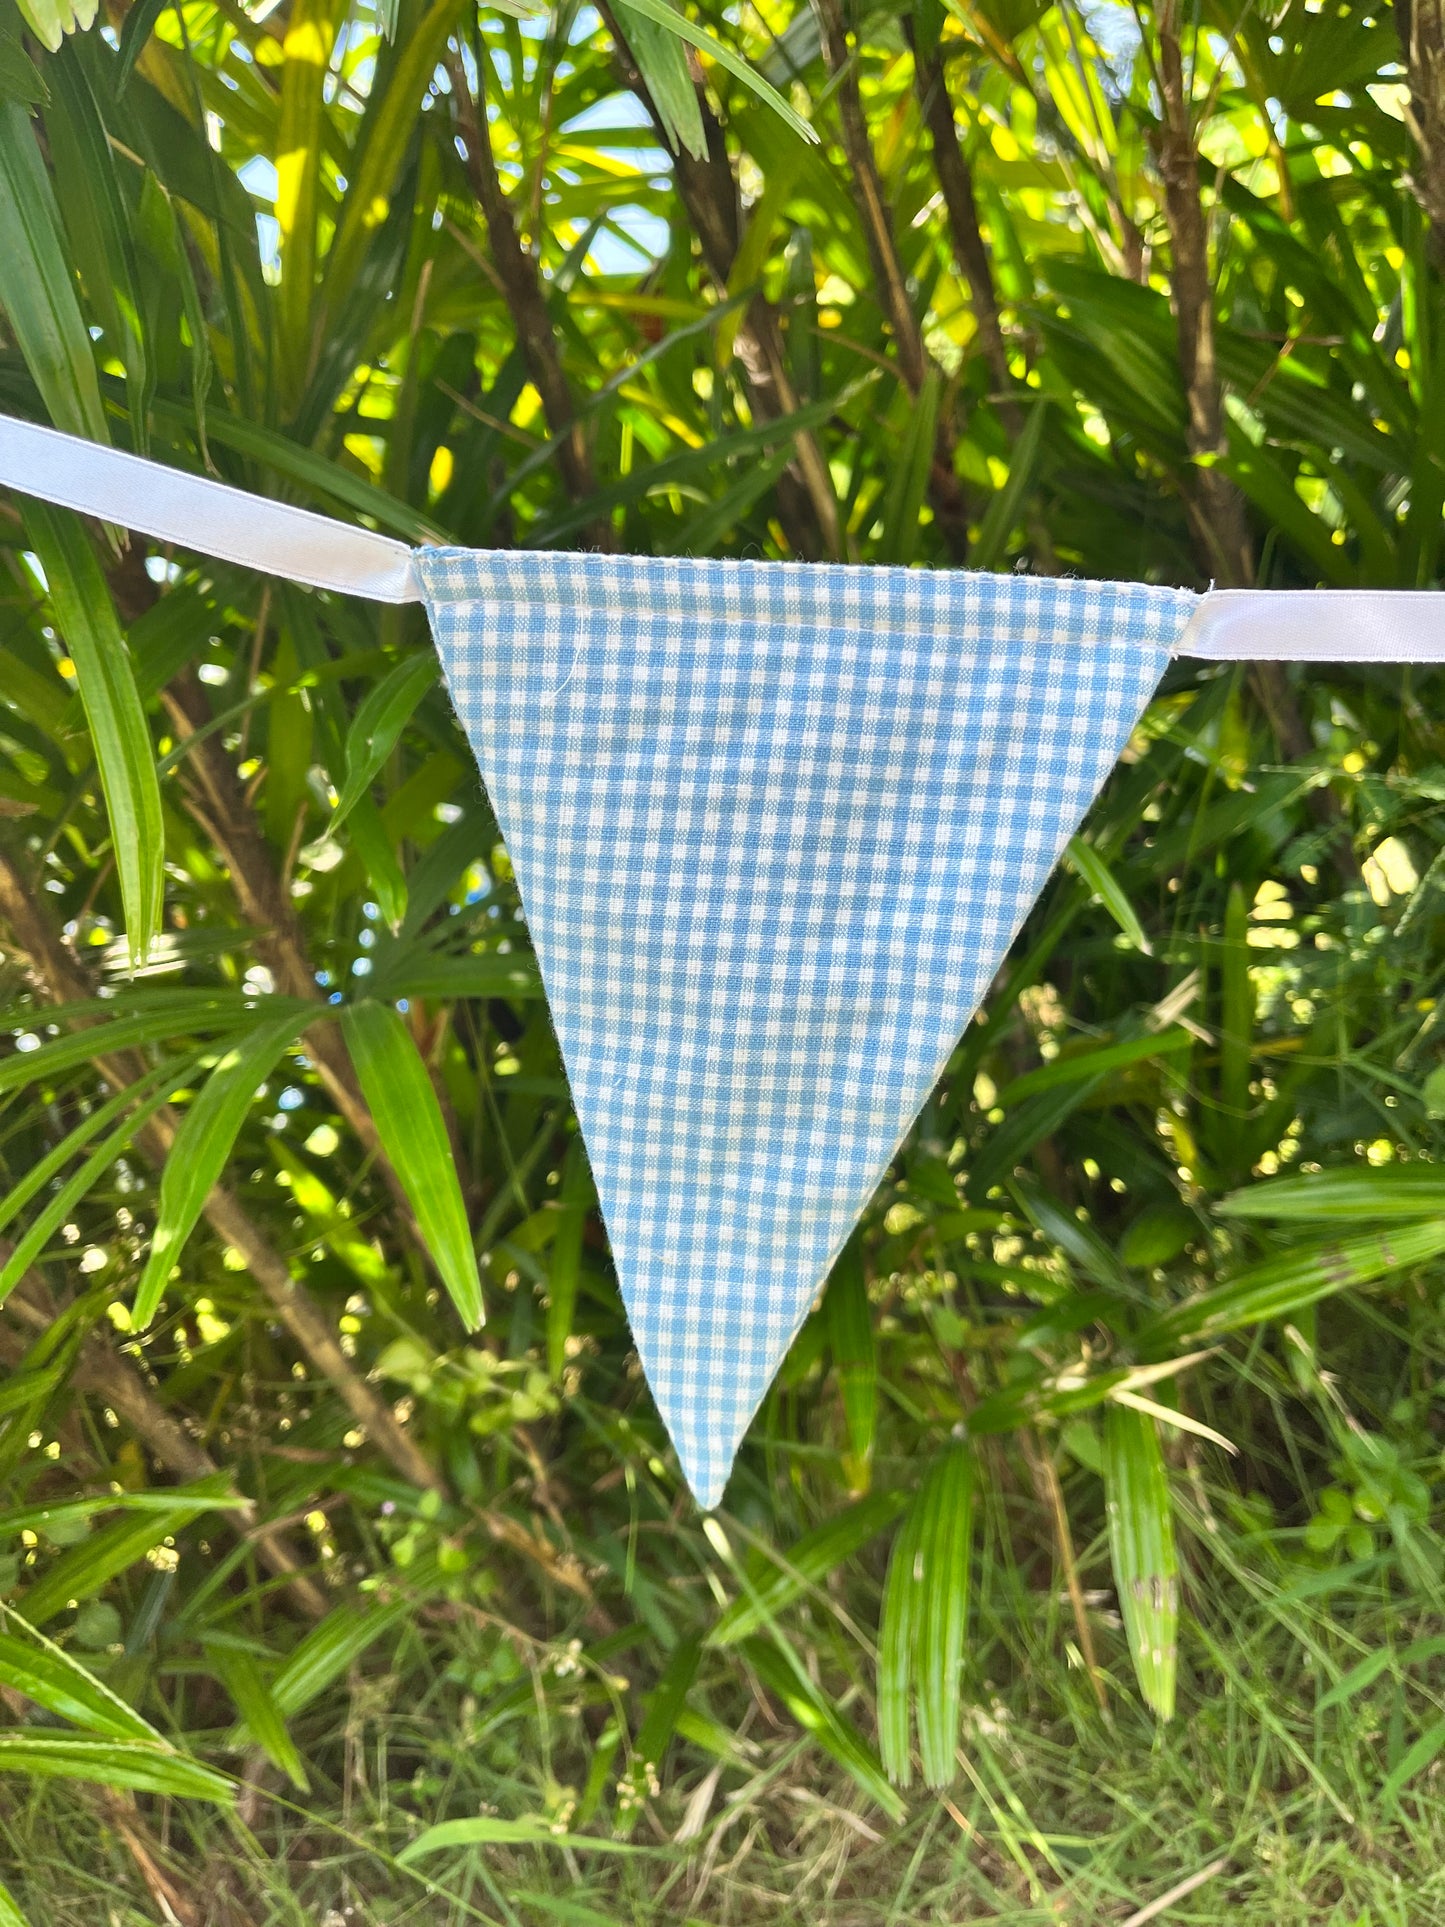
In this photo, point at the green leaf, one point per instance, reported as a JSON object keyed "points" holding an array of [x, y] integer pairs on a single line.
{"points": [[10, 1914], [85, 616], [1097, 1061], [1091, 868], [1287, 1284], [575, 1199], [1386, 1659], [379, 722], [1141, 1545], [1349, 1194], [19, 76], [816, 1713], [912, 465], [49, 1167], [146, 1018], [944, 1547], [243, 1679], [663, 66], [855, 1358], [667, 16], [924, 1618], [1237, 1012], [329, 1649], [1002, 514], [378, 858], [409, 1123], [664, 1707], [174, 1501], [112, 1763], [309, 36], [43, 1672], [421, 973], [84, 1569], [204, 1143], [392, 111], [485, 1830], [98, 222], [773, 1579], [140, 24], [36, 289], [1413, 1760]]}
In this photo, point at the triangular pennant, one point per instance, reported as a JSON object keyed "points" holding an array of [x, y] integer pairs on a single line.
{"points": [[774, 828]]}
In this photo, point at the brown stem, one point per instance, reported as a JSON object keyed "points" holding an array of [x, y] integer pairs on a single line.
{"points": [[1422, 39], [868, 189], [1046, 1482], [944, 491], [709, 192], [1215, 507], [970, 251], [521, 284], [59, 980], [971, 256]]}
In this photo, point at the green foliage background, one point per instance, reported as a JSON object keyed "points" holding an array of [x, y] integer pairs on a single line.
{"points": [[1089, 1542]]}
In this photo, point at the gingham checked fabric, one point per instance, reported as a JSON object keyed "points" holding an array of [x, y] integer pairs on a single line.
{"points": [[774, 828]]}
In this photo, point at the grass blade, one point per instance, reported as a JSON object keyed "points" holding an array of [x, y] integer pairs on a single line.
{"points": [[1141, 1544], [855, 1360], [242, 1678], [204, 1143], [816, 1714], [486, 1830], [897, 1634], [772, 1580], [1413, 1760], [112, 1763], [925, 1613], [564, 1261], [1349, 1194], [1091, 868], [945, 1503], [1287, 1284], [38, 1668], [85, 616], [409, 1122], [641, 1782], [328, 1649], [84, 1569], [37, 291], [379, 722]]}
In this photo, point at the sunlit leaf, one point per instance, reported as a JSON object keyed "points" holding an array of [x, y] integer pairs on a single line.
{"points": [[409, 1123]]}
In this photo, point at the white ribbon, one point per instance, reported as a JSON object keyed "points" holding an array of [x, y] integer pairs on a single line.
{"points": [[1228, 625], [1317, 625], [207, 516]]}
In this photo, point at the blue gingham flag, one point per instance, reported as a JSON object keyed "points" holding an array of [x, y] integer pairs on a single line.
{"points": [[774, 828]]}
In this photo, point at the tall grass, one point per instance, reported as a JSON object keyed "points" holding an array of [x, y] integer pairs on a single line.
{"points": [[1089, 1542]]}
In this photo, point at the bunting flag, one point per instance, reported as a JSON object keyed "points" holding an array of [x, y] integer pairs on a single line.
{"points": [[774, 828]]}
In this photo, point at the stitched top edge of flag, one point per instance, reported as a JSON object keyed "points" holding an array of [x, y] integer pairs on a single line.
{"points": [[1062, 609]]}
